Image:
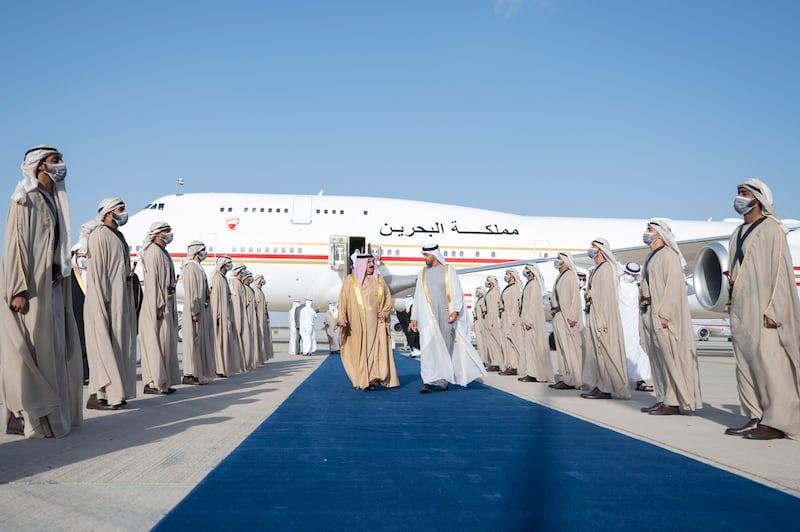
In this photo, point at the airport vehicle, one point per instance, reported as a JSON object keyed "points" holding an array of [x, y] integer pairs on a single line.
{"points": [[302, 243]]}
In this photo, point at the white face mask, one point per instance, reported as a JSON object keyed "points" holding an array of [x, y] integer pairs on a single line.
{"points": [[203, 255], [487, 285], [121, 218], [505, 278], [592, 253], [627, 278], [648, 238], [742, 205], [168, 238], [557, 264], [59, 172]]}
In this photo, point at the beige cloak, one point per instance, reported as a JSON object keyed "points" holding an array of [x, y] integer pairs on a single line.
{"points": [[511, 326], [569, 340], [366, 342], [767, 360], [241, 325], [41, 370], [535, 347], [110, 317], [251, 327], [226, 340], [263, 327], [494, 327], [605, 366], [198, 339], [673, 358], [158, 338], [479, 326]]}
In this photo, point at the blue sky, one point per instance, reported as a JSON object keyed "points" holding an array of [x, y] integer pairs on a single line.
{"points": [[550, 107]]}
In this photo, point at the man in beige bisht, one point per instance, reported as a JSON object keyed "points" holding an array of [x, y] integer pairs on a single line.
{"points": [[567, 323], [764, 318], [494, 324], [158, 319], [226, 340], [535, 351], [511, 325], [667, 325], [605, 367], [479, 323], [199, 366], [251, 326], [239, 305], [109, 312], [364, 306], [40, 351], [262, 317]]}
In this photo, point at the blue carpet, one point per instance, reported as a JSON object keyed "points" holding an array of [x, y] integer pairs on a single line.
{"points": [[332, 458]]}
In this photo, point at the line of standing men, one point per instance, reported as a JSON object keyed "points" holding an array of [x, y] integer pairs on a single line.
{"points": [[41, 373], [589, 341]]}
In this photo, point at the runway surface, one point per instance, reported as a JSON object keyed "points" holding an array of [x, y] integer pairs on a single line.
{"points": [[129, 469]]}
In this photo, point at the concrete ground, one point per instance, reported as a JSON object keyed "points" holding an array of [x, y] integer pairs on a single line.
{"points": [[124, 470]]}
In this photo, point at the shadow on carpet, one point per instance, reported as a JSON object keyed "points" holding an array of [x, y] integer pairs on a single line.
{"points": [[476, 458]]}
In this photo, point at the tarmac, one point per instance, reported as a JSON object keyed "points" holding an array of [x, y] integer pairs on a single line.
{"points": [[126, 469]]}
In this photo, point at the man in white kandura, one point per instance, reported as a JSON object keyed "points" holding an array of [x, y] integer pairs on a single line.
{"points": [[441, 317]]}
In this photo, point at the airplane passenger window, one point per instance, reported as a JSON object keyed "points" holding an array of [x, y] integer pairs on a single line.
{"points": [[269, 210], [299, 250], [291, 249], [275, 250], [250, 249], [137, 247], [341, 212], [492, 254], [326, 211], [460, 253], [286, 210], [262, 209], [283, 250], [245, 209], [477, 253], [211, 249], [365, 213], [233, 249], [222, 209], [230, 209], [445, 253], [317, 211], [397, 252], [258, 250], [388, 251]]}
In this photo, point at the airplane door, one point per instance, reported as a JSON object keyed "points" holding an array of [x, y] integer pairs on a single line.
{"points": [[340, 247], [301, 210], [542, 249]]}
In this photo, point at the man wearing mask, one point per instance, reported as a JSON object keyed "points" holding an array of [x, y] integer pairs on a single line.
{"points": [[239, 305], [479, 324], [40, 352], [764, 317], [262, 318], [494, 325], [605, 367], [198, 343], [252, 341], [567, 323], [512, 329], [535, 351], [158, 320], [667, 325], [109, 312], [226, 339]]}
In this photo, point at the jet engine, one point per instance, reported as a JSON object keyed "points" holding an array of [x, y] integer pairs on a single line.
{"points": [[710, 284], [702, 333]]}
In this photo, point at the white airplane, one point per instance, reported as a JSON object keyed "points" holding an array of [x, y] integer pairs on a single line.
{"points": [[301, 244]]}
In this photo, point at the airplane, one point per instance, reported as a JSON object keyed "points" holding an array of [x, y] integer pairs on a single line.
{"points": [[302, 243]]}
